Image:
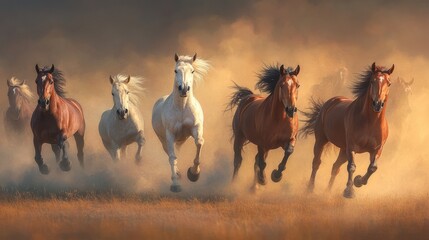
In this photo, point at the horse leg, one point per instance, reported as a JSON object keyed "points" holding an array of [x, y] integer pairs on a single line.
{"points": [[277, 175], [65, 163], [341, 159], [57, 151], [43, 168], [239, 141], [317, 151], [351, 167], [80, 142], [194, 171], [175, 186], [260, 167], [123, 151], [359, 180], [140, 142]]}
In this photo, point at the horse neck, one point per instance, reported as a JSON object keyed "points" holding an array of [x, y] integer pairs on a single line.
{"points": [[275, 104], [55, 102]]}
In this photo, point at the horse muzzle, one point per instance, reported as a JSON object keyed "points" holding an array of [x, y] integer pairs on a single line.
{"points": [[183, 90], [43, 103], [377, 106], [290, 111], [122, 113]]}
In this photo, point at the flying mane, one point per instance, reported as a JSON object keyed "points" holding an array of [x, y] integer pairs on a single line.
{"points": [[135, 87], [268, 78], [201, 67]]}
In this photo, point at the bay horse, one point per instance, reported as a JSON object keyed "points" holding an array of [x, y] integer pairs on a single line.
{"points": [[268, 122], [55, 119], [123, 124], [18, 114], [179, 115], [355, 126]]}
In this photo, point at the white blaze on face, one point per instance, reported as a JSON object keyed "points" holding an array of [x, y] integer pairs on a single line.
{"points": [[43, 78], [289, 82], [381, 78]]}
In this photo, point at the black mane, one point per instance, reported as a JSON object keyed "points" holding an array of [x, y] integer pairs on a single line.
{"points": [[268, 78], [59, 81], [361, 85]]}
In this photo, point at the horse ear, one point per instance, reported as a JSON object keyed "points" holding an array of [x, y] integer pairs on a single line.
{"points": [[282, 70], [37, 68], [111, 79], [22, 83], [8, 83], [194, 58], [52, 69], [176, 57], [128, 79], [373, 67], [390, 70], [411, 82], [296, 71]]}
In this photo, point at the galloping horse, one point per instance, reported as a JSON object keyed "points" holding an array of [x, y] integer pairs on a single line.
{"points": [[268, 122], [178, 116], [355, 126], [18, 114], [123, 124], [55, 119]]}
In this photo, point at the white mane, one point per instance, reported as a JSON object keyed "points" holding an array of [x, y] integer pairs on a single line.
{"points": [[23, 87], [201, 66], [135, 86]]}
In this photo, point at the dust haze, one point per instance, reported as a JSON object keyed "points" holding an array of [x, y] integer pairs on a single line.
{"points": [[90, 41]]}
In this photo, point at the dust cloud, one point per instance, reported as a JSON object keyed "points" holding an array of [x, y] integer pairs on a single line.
{"points": [[90, 41]]}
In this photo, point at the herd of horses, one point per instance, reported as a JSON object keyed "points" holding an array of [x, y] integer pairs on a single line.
{"points": [[353, 125]]}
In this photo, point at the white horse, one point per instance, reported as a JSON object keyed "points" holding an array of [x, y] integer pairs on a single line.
{"points": [[123, 124], [178, 116]]}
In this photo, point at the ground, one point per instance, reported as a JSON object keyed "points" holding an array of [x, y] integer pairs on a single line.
{"points": [[101, 216]]}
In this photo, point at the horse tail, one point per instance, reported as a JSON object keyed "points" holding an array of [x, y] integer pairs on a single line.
{"points": [[311, 117], [240, 94]]}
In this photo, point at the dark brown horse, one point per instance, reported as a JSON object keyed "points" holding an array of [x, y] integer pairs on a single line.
{"points": [[268, 122], [355, 126], [55, 119], [18, 114]]}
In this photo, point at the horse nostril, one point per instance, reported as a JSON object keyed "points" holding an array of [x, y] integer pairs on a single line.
{"points": [[126, 110], [39, 101], [180, 88], [47, 101], [117, 111], [189, 88]]}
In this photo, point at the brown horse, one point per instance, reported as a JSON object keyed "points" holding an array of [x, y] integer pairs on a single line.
{"points": [[268, 122], [18, 114], [55, 119], [355, 126]]}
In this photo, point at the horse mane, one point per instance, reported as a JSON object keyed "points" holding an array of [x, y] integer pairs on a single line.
{"points": [[201, 67], [135, 86], [23, 88], [59, 81], [361, 85], [268, 78]]}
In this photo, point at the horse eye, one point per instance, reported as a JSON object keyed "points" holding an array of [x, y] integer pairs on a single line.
{"points": [[193, 71], [175, 71], [297, 85], [113, 94]]}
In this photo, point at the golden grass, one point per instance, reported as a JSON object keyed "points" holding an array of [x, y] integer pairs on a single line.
{"points": [[301, 217]]}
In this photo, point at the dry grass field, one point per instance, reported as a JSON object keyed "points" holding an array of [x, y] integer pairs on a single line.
{"points": [[217, 217]]}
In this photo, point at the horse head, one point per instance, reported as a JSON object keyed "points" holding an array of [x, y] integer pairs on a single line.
{"points": [[120, 94], [184, 74], [45, 86], [379, 86], [288, 89]]}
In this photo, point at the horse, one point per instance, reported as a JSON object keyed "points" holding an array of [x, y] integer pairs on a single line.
{"points": [[123, 124], [268, 122], [55, 119], [333, 84], [18, 114], [179, 115], [355, 126]]}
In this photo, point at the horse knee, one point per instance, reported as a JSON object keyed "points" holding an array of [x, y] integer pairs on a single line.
{"points": [[199, 141], [351, 167], [372, 169], [290, 149], [316, 163]]}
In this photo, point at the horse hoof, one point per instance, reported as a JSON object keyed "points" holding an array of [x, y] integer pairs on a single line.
{"points": [[175, 188], [310, 188], [349, 192], [358, 181], [44, 169], [65, 165], [276, 176], [193, 177]]}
